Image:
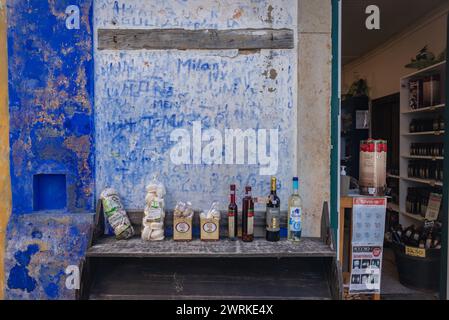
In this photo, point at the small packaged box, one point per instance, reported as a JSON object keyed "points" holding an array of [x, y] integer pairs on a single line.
{"points": [[182, 222], [210, 223]]}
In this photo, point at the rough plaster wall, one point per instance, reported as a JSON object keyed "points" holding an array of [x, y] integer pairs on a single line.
{"points": [[314, 93], [5, 183], [142, 96], [50, 106]]}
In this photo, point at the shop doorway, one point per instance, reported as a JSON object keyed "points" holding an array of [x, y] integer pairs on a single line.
{"points": [[400, 103]]}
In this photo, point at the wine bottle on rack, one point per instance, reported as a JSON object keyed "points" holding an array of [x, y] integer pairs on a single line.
{"points": [[248, 216]]}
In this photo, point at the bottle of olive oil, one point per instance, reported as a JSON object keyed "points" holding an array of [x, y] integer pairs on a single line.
{"points": [[294, 213]]}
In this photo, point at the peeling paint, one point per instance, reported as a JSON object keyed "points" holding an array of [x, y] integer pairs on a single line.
{"points": [[51, 132], [270, 14], [5, 181], [50, 101], [39, 249]]}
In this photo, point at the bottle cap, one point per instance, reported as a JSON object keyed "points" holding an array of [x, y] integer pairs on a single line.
{"points": [[232, 187]]}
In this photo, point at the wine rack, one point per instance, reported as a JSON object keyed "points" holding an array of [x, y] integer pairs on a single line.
{"points": [[411, 136]]}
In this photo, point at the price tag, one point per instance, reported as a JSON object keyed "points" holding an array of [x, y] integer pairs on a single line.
{"points": [[415, 252]]}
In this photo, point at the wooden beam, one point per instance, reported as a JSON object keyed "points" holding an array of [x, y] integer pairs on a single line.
{"points": [[182, 39]]}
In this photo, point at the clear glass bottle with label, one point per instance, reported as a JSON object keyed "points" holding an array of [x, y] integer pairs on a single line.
{"points": [[295, 213]]}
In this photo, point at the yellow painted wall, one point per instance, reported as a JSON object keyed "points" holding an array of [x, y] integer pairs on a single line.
{"points": [[5, 183], [384, 66]]}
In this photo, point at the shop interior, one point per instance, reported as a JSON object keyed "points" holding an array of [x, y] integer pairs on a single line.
{"points": [[393, 83]]}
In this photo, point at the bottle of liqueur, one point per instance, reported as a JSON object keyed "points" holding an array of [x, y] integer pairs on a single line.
{"points": [[273, 214], [248, 216], [233, 216], [294, 213]]}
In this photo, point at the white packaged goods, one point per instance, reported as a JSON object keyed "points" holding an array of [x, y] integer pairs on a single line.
{"points": [[213, 212], [182, 221], [154, 214], [210, 223], [116, 214]]}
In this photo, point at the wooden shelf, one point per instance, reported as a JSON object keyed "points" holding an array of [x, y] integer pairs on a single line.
{"points": [[424, 181], [393, 207], [392, 176], [425, 71], [424, 133], [136, 247], [220, 279], [413, 216], [439, 107], [423, 157]]}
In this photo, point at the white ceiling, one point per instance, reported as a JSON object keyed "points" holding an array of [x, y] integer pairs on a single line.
{"points": [[395, 17]]}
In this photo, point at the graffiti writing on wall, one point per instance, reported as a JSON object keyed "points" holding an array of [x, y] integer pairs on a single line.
{"points": [[143, 96]]}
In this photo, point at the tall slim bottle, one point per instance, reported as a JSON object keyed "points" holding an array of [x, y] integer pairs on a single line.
{"points": [[295, 213], [248, 216], [233, 216], [273, 214]]}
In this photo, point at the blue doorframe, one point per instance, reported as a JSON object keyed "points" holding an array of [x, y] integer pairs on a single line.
{"points": [[335, 114]]}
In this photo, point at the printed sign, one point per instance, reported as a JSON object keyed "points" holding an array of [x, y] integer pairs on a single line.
{"points": [[368, 227], [433, 208], [366, 269], [415, 252]]}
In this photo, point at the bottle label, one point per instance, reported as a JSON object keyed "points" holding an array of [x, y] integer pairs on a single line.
{"points": [[231, 224], [273, 219], [209, 227], [182, 227], [295, 219], [250, 223]]}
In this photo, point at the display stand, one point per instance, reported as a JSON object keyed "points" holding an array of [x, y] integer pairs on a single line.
{"points": [[135, 269], [346, 203]]}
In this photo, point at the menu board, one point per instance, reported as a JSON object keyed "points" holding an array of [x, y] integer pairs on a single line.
{"points": [[368, 222]]}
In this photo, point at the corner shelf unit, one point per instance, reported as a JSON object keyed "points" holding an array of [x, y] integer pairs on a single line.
{"points": [[406, 138]]}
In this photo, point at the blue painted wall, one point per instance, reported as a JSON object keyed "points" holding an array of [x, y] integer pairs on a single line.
{"points": [[51, 133], [50, 92]]}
